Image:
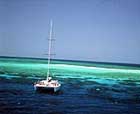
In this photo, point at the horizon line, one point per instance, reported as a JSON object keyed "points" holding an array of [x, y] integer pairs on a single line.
{"points": [[73, 60]]}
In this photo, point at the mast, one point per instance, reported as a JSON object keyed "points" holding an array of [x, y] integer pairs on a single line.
{"points": [[49, 49]]}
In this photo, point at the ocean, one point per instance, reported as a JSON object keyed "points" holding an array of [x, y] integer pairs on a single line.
{"points": [[87, 87]]}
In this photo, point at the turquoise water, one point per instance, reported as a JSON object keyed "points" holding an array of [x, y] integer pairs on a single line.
{"points": [[87, 87], [31, 68]]}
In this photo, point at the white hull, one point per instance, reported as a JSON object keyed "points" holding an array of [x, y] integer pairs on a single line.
{"points": [[46, 85]]}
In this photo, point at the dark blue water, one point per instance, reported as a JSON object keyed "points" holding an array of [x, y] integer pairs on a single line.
{"points": [[18, 96]]}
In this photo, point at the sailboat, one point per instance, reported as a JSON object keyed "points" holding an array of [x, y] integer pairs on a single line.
{"points": [[48, 84]]}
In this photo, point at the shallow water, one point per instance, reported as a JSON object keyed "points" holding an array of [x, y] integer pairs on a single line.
{"points": [[87, 87]]}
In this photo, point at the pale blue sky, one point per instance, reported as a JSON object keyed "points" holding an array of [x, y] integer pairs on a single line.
{"points": [[94, 30]]}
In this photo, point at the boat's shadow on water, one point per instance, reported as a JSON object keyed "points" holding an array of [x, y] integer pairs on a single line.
{"points": [[60, 92]]}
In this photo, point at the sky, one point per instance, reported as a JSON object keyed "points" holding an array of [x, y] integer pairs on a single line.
{"points": [[90, 30]]}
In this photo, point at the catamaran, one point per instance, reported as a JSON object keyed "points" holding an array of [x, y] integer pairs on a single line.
{"points": [[48, 84]]}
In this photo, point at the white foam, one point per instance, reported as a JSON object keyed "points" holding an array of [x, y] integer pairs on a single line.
{"points": [[75, 67]]}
